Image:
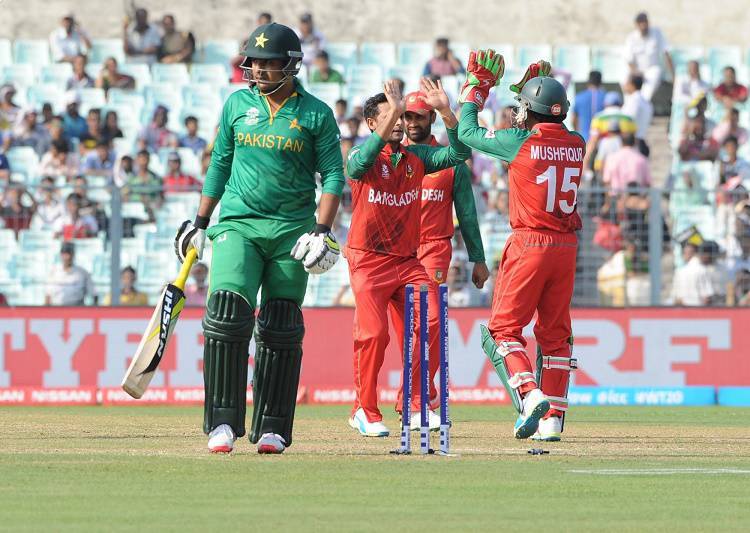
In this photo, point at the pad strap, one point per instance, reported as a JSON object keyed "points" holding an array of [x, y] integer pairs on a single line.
{"points": [[559, 363], [506, 348], [558, 403], [521, 378]]}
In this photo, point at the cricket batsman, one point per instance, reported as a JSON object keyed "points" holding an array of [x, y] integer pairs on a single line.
{"points": [[441, 192], [272, 139], [386, 180], [538, 267]]}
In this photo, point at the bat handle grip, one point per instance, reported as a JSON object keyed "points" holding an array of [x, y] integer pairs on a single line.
{"points": [[186, 266]]}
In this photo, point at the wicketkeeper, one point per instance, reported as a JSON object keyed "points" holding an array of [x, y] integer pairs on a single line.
{"points": [[272, 139]]}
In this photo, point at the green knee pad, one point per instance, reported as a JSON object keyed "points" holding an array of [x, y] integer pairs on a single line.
{"points": [[227, 328], [496, 354], [278, 359]]}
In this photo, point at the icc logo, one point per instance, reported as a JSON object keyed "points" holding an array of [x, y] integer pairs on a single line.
{"points": [[251, 116]]}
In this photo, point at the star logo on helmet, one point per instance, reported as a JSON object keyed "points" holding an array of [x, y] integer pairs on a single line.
{"points": [[261, 40]]}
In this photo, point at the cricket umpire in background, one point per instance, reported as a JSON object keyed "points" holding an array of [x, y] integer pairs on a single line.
{"points": [[272, 139]]}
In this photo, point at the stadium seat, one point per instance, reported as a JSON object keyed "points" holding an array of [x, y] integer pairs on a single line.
{"points": [[684, 53], [6, 54], [32, 52], [153, 268], [410, 74], [86, 250], [220, 52], [139, 71], [58, 73], [367, 79], [100, 271], [190, 162], [175, 73], [342, 53], [8, 243], [102, 49], [531, 53], [573, 58], [12, 290], [202, 95], [33, 240], [39, 94], [328, 92], [610, 61], [506, 49], [723, 56], [383, 54], [166, 94], [208, 119], [24, 160], [231, 88], [414, 53], [214, 74], [158, 243], [33, 265], [141, 231], [22, 76], [32, 293], [123, 98], [134, 210], [461, 51]]}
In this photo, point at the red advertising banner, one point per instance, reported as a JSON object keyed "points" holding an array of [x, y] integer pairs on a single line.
{"points": [[55, 355]]}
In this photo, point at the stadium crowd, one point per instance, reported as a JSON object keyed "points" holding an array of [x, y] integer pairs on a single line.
{"points": [[82, 119]]}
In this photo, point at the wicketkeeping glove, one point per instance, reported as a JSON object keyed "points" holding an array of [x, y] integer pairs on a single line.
{"points": [[318, 250], [540, 68], [191, 234], [483, 72]]}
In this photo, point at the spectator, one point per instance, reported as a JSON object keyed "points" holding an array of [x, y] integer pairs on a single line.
{"points": [[3, 300], [56, 129], [443, 62], [28, 133], [74, 125], [602, 125], [639, 108], [156, 135], [264, 18], [191, 139], [69, 284], [177, 181], [731, 165], [8, 109], [588, 103], [741, 289], [141, 39], [626, 166], [176, 46], [323, 73], [458, 292], [13, 212], [111, 78], [68, 41], [196, 292], [700, 282], [111, 128], [74, 224], [607, 145], [143, 185], [58, 161], [94, 133], [80, 79], [339, 110], [730, 127], [695, 145], [645, 47], [729, 92], [49, 209], [737, 242], [99, 162], [129, 295], [4, 171], [311, 39], [87, 206], [47, 113], [687, 88]]}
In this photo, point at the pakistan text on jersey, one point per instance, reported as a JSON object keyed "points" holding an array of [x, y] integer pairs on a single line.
{"points": [[556, 153], [269, 142], [391, 199]]}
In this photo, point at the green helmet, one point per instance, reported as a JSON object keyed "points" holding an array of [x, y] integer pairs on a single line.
{"points": [[274, 41], [544, 95]]}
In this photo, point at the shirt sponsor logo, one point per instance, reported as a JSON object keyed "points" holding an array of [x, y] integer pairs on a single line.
{"points": [[251, 116], [384, 172], [269, 142], [433, 195], [392, 199], [556, 153]]}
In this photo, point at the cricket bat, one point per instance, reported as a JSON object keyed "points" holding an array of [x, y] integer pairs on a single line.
{"points": [[154, 341]]}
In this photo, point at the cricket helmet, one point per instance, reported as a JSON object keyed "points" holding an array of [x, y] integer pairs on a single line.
{"points": [[544, 95], [273, 41]]}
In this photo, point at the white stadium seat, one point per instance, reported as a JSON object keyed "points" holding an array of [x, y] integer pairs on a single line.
{"points": [[32, 52]]}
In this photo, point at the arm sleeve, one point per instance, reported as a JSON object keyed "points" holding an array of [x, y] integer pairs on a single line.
{"points": [[438, 158], [328, 155], [502, 144], [221, 157], [466, 212], [362, 157]]}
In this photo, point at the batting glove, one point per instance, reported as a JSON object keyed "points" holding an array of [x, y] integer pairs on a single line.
{"points": [[484, 72], [191, 235], [540, 68], [318, 250]]}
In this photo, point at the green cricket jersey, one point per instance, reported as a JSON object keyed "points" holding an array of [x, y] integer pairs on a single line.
{"points": [[263, 164]]}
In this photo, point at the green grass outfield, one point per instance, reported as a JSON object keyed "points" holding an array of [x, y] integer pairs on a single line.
{"points": [[147, 469]]}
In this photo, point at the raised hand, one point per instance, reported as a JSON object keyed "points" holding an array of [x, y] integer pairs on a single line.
{"points": [[483, 72], [394, 97], [540, 68], [434, 94]]}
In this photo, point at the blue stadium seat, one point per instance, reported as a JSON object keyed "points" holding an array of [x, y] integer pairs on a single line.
{"points": [[342, 53], [32, 52], [328, 92], [723, 56], [102, 49], [175, 73], [681, 54], [33, 265], [383, 54], [86, 251], [531, 53], [366, 79], [201, 95], [221, 51], [506, 49], [6, 54], [20, 75], [32, 293], [24, 160], [414, 53], [410, 74], [610, 61], [41, 93], [92, 98], [12, 290], [166, 94], [573, 58], [58, 73], [215, 74], [134, 99], [231, 88], [35, 240], [139, 71]]}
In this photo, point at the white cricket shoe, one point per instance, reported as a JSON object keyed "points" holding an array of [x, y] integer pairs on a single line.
{"points": [[535, 406], [221, 439], [271, 443], [432, 417], [550, 429], [368, 429]]}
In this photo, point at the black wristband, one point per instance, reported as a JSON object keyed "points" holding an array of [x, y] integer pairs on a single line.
{"points": [[321, 228], [201, 222]]}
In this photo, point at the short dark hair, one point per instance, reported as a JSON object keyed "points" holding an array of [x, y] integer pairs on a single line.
{"points": [[730, 67], [595, 77], [61, 145], [322, 54], [731, 139], [637, 81], [143, 152], [342, 101], [128, 269], [442, 41], [265, 15], [371, 105], [553, 119], [628, 139], [735, 111], [190, 118]]}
